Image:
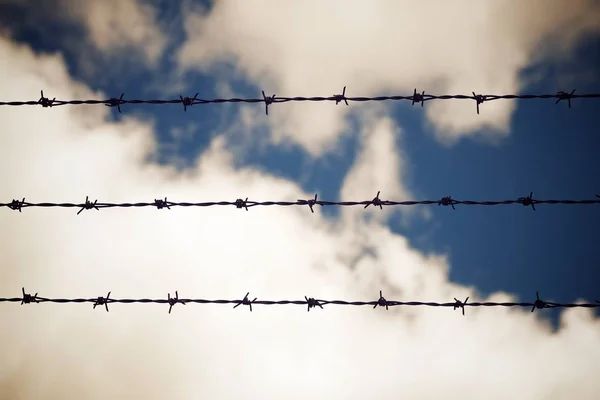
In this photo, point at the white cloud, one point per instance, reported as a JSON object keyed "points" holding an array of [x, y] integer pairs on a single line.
{"points": [[119, 30], [313, 48], [211, 351], [116, 27], [380, 166]]}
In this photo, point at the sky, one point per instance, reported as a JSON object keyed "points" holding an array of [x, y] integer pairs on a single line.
{"points": [[161, 50]]}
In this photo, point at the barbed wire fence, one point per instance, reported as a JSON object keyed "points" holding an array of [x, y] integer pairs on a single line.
{"points": [[527, 201], [309, 302], [415, 98]]}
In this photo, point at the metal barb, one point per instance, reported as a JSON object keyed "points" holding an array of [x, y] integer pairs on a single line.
{"points": [[88, 205], [102, 301], [246, 302], [312, 303], [479, 99], [447, 201], [460, 304], [44, 101], [539, 304], [268, 101], [27, 298], [418, 97], [309, 202], [382, 302], [565, 96], [160, 204], [376, 202], [528, 201], [187, 101], [341, 97], [114, 102], [239, 203], [173, 300], [16, 204]]}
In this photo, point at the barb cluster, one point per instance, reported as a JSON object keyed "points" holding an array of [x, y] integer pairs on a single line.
{"points": [[415, 98], [527, 201], [310, 302]]}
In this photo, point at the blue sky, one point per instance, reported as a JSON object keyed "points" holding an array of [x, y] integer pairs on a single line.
{"points": [[549, 150]]}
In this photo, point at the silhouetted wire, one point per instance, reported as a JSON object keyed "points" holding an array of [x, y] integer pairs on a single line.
{"points": [[415, 98], [527, 201], [310, 302]]}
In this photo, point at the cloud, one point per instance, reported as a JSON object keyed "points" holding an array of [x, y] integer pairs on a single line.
{"points": [[312, 48], [118, 30], [116, 27], [380, 166], [139, 351]]}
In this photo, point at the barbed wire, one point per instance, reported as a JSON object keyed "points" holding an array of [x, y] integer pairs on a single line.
{"points": [[527, 201], [310, 302], [415, 98]]}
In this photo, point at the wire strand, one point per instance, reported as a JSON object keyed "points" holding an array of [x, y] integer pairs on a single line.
{"points": [[415, 98], [528, 201], [310, 302]]}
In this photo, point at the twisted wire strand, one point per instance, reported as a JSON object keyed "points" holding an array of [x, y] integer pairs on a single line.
{"points": [[309, 302], [415, 98], [528, 201]]}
